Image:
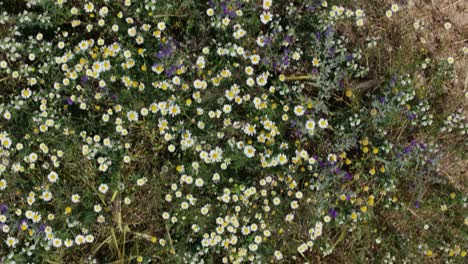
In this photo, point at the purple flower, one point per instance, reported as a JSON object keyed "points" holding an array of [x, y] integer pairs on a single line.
{"points": [[348, 176], [3, 208], [322, 164], [69, 101], [341, 84], [298, 133], [411, 116], [407, 150], [317, 36], [23, 221], [171, 71], [329, 32], [84, 79], [311, 8], [333, 213], [416, 204]]}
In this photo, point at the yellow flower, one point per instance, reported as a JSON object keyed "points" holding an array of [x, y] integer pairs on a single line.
{"points": [[180, 168], [365, 142]]}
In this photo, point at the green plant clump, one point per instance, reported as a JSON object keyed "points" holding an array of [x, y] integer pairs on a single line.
{"points": [[230, 131]]}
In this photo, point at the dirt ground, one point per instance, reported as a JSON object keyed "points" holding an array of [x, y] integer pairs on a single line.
{"points": [[442, 43]]}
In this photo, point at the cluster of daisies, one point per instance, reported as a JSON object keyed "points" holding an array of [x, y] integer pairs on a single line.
{"points": [[261, 168]]}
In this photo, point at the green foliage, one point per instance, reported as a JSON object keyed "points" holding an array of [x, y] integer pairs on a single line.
{"points": [[219, 132]]}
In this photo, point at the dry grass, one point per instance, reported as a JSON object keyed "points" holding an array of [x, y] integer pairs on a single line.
{"points": [[400, 45]]}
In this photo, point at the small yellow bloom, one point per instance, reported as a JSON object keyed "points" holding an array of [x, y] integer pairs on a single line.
{"points": [[365, 142], [180, 168]]}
